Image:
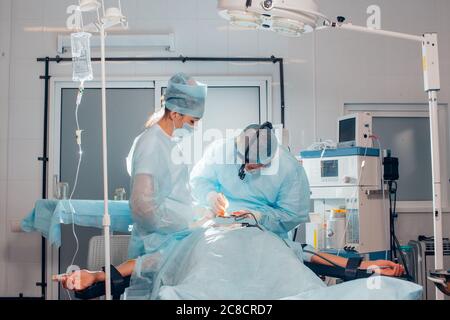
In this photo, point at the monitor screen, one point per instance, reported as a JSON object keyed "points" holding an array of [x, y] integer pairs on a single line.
{"points": [[330, 168], [347, 130]]}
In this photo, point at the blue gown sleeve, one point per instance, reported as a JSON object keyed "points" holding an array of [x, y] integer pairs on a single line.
{"points": [[203, 178], [292, 205]]}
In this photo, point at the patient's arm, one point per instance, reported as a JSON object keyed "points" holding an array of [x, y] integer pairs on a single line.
{"points": [[384, 267], [82, 279]]}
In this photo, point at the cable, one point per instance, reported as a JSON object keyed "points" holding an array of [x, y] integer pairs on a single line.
{"points": [[402, 257], [80, 156], [394, 242], [322, 145], [387, 218], [392, 213], [245, 215], [392, 190], [363, 164]]}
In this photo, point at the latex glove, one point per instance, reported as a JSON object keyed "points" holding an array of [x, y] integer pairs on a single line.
{"points": [[384, 267], [249, 214], [219, 204]]}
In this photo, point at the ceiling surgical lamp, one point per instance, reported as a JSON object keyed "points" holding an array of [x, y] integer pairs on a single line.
{"points": [[295, 17], [89, 5], [291, 18]]}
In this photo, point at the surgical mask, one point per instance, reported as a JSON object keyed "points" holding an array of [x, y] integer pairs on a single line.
{"points": [[252, 172], [258, 171], [185, 131]]}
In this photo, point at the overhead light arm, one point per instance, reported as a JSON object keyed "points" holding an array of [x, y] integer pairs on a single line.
{"points": [[349, 26]]}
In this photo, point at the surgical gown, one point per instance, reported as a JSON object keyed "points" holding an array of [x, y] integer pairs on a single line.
{"points": [[160, 201], [280, 193]]}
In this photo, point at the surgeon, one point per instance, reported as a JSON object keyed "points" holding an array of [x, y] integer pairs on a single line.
{"points": [[253, 174], [160, 200]]}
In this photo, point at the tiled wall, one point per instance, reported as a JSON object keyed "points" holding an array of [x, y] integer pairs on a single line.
{"points": [[340, 67]]}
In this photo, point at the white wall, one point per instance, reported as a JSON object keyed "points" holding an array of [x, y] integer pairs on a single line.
{"points": [[5, 34], [339, 67]]}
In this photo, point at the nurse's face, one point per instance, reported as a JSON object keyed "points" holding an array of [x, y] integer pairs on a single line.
{"points": [[179, 120]]}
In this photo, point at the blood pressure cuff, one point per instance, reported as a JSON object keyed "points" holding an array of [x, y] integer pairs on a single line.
{"points": [[350, 272], [118, 286]]}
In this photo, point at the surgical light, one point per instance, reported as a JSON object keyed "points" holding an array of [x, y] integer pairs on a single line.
{"points": [[113, 16], [89, 5], [288, 17], [245, 20], [290, 28]]}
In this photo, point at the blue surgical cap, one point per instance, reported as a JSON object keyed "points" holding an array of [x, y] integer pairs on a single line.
{"points": [[261, 145], [185, 95]]}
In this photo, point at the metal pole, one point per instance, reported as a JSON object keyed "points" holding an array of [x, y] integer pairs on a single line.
{"points": [[183, 59], [398, 35], [44, 159], [179, 58], [280, 61], [436, 172], [106, 217]]}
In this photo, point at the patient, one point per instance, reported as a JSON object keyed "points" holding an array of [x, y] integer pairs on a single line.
{"points": [[183, 252], [235, 262]]}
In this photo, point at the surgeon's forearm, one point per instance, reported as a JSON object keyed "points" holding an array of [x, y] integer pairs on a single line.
{"points": [[335, 259], [125, 269]]}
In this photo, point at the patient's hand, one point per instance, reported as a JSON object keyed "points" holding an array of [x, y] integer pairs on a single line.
{"points": [[384, 267], [80, 279]]}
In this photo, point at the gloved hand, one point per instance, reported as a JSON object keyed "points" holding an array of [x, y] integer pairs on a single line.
{"points": [[219, 204], [249, 214]]}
